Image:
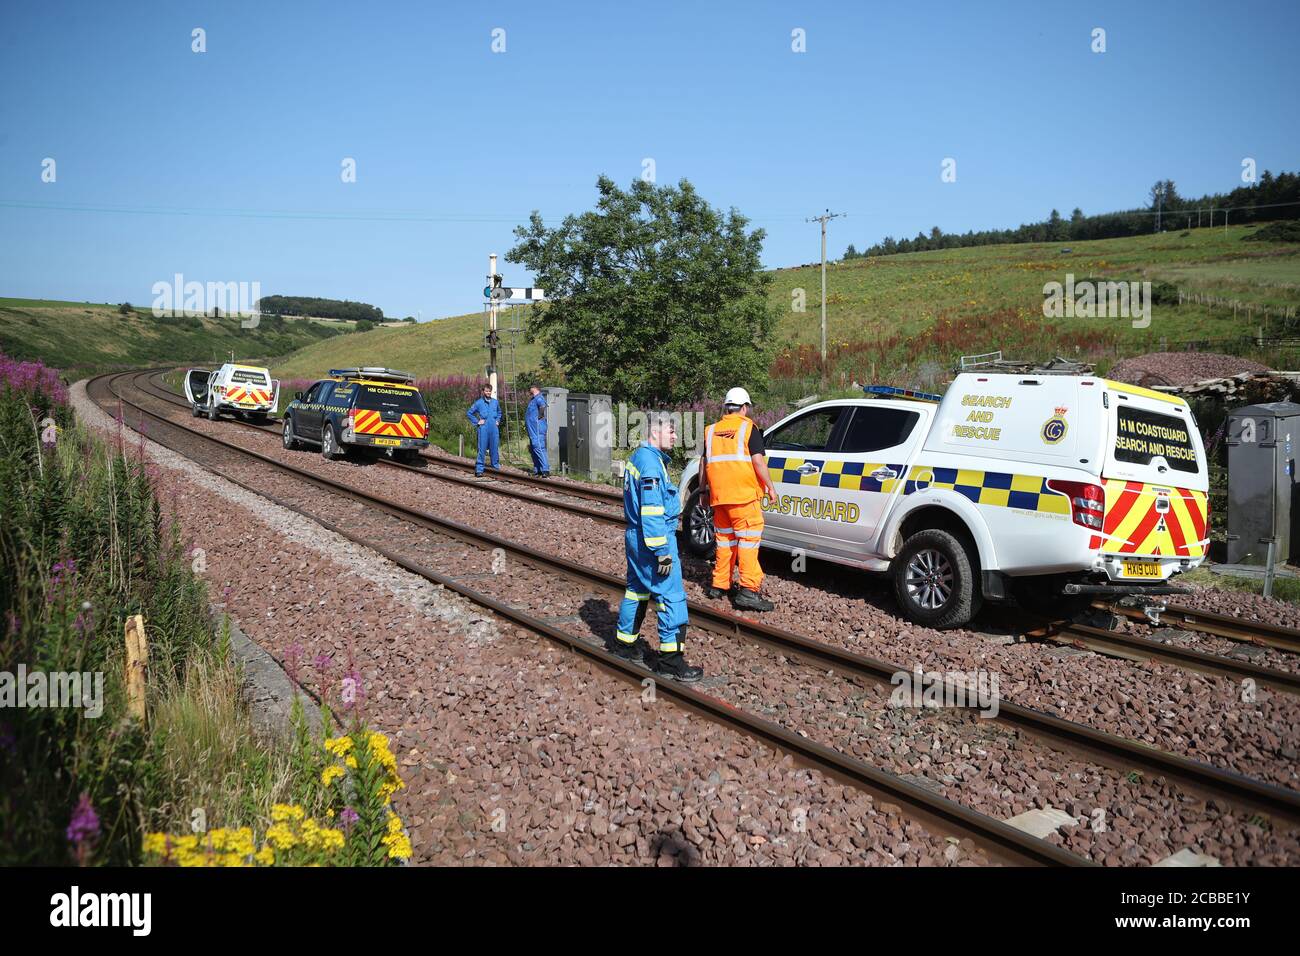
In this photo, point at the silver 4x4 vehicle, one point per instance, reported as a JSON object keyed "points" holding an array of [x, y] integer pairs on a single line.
{"points": [[1054, 490], [247, 391]]}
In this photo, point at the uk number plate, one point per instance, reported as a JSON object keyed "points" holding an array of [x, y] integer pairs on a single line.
{"points": [[388, 441], [1141, 569]]}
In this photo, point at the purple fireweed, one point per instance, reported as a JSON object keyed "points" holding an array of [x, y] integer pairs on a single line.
{"points": [[83, 829]]}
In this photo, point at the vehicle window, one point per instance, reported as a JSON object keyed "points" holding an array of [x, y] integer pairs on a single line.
{"points": [[1141, 435], [875, 428], [315, 392], [808, 432], [342, 394], [405, 400], [243, 376]]}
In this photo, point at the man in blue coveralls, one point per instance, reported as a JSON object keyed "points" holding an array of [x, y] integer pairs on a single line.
{"points": [[654, 569], [485, 415], [535, 419]]}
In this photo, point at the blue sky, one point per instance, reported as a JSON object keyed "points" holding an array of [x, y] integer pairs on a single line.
{"points": [[225, 165]]}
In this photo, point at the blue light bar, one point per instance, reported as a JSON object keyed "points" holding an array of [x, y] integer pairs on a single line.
{"points": [[889, 391]]}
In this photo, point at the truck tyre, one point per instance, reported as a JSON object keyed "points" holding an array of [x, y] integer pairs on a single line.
{"points": [[212, 413], [195, 410], [329, 445], [290, 440], [697, 526], [934, 580]]}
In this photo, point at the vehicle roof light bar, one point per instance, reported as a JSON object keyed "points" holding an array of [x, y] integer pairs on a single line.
{"points": [[375, 372], [889, 391]]}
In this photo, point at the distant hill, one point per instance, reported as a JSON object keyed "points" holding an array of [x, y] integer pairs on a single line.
{"points": [[84, 338], [451, 346], [930, 307]]}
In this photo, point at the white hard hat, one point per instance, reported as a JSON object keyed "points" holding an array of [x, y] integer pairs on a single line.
{"points": [[737, 396]]}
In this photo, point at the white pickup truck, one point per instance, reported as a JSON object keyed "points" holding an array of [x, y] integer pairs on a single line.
{"points": [[244, 390], [1008, 486]]}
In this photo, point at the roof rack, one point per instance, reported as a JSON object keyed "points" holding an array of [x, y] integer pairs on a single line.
{"points": [[375, 373], [889, 391]]}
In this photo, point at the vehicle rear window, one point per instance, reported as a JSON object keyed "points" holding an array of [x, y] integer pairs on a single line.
{"points": [[1141, 435], [875, 428], [243, 376], [406, 400]]}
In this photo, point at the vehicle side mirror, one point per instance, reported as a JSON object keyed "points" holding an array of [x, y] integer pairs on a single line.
{"points": [[297, 396]]}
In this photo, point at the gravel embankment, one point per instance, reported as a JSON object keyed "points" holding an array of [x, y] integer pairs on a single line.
{"points": [[1141, 821], [514, 750]]}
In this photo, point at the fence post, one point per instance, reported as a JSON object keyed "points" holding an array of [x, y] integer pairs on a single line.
{"points": [[137, 665]]}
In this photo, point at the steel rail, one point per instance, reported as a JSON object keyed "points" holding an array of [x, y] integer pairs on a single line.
{"points": [[1006, 843], [1118, 753], [495, 485]]}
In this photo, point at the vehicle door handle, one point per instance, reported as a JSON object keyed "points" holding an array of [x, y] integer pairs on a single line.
{"points": [[884, 474], [808, 468]]}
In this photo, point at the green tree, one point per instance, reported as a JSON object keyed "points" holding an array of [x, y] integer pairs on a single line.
{"points": [[656, 297]]}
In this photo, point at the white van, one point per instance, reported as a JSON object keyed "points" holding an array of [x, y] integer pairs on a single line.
{"points": [[1045, 485], [244, 390]]}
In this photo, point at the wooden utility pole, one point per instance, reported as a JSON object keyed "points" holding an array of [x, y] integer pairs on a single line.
{"points": [[824, 218]]}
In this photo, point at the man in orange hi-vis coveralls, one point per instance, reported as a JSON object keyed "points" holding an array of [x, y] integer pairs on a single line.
{"points": [[735, 479]]}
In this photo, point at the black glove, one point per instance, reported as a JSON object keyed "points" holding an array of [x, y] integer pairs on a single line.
{"points": [[665, 565]]}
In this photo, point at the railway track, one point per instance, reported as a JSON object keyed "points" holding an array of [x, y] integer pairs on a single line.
{"points": [[1004, 843], [555, 490], [1061, 735], [1099, 640]]}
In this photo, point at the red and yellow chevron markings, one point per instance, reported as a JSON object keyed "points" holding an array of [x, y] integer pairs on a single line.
{"points": [[368, 422], [1154, 519], [248, 396]]}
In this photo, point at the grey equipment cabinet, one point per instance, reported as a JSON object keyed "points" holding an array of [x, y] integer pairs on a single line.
{"points": [[1261, 442]]}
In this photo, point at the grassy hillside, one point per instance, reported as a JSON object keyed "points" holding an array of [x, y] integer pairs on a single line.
{"points": [[906, 293], [894, 313], [83, 338], [448, 346]]}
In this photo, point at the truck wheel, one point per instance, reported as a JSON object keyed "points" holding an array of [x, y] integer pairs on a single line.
{"points": [[195, 410], [329, 446], [698, 526], [290, 441], [212, 413], [934, 580]]}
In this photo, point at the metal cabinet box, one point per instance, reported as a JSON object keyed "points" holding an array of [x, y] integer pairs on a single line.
{"points": [[1262, 486], [557, 426], [589, 435]]}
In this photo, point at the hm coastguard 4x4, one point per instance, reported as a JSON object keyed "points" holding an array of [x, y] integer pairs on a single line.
{"points": [[246, 390], [372, 408], [1049, 489]]}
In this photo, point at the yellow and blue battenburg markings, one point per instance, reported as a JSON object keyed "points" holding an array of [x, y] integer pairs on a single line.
{"points": [[997, 488]]}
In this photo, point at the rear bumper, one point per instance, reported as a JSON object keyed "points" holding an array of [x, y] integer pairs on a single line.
{"points": [[386, 441]]}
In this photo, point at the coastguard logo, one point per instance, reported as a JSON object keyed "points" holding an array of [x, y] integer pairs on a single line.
{"points": [[1054, 428]]}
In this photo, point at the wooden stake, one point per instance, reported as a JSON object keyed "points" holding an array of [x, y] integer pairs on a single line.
{"points": [[137, 665]]}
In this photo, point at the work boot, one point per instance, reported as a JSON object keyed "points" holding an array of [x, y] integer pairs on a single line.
{"points": [[711, 592], [674, 667], [633, 653], [747, 600]]}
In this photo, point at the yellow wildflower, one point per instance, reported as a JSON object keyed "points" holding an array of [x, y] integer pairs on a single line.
{"points": [[265, 856], [287, 811], [330, 774]]}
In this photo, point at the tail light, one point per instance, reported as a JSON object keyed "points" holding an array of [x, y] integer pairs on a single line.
{"points": [[350, 425], [1087, 502]]}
